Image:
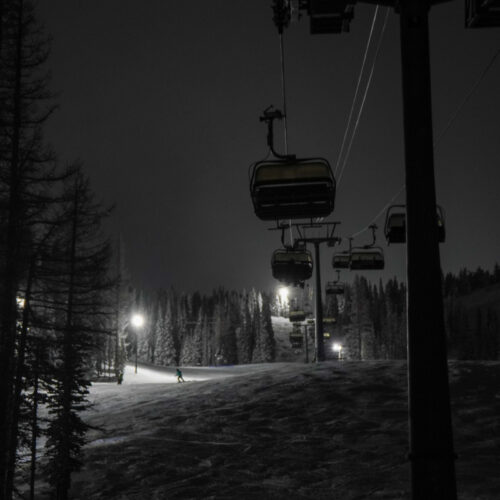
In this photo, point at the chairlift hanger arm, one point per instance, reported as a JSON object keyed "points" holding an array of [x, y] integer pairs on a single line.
{"points": [[373, 227], [269, 115]]}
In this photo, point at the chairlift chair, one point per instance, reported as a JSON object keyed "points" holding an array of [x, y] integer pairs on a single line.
{"points": [[296, 338], [482, 13], [334, 288], [395, 224], [341, 260], [292, 188], [367, 258], [297, 316], [291, 266], [330, 17]]}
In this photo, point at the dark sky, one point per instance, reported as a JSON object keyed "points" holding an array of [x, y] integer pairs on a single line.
{"points": [[161, 101]]}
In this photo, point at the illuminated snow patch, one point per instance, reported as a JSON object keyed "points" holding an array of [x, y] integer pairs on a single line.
{"points": [[106, 441], [158, 376], [146, 376]]}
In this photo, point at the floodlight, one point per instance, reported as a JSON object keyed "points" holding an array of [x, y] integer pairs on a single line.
{"points": [[137, 320]]}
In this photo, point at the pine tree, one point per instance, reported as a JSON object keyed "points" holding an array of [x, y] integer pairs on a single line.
{"points": [[265, 348], [192, 352], [268, 343], [81, 260], [166, 351], [27, 175], [123, 298], [245, 333], [360, 330]]}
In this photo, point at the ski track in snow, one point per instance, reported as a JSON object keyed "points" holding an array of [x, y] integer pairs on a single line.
{"points": [[286, 430]]}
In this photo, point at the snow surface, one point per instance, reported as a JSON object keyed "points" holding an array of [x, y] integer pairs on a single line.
{"points": [[335, 430]]}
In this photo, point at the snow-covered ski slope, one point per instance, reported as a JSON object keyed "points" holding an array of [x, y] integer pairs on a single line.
{"points": [[336, 430]]}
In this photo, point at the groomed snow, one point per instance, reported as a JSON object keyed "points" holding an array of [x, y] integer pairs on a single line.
{"points": [[336, 430]]}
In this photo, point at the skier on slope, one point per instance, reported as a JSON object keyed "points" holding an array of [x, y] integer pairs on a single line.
{"points": [[180, 378]]}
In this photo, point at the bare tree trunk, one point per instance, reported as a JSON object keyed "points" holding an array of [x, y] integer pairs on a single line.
{"points": [[20, 368], [34, 422], [11, 280]]}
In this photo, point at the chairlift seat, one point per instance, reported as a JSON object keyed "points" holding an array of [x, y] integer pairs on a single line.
{"points": [[395, 228], [297, 316], [298, 189], [296, 340], [395, 224], [441, 229], [341, 260], [333, 288], [367, 259], [330, 17], [292, 266]]}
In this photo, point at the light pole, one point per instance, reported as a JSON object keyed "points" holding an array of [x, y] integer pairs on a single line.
{"points": [[137, 321]]}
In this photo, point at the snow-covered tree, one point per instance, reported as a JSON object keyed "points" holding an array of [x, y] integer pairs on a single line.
{"points": [[166, 351]]}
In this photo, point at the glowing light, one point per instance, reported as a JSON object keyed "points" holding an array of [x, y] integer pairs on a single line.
{"points": [[20, 302], [137, 320], [337, 347], [283, 293]]}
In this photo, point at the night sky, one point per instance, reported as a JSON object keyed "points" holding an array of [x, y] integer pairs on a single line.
{"points": [[161, 101]]}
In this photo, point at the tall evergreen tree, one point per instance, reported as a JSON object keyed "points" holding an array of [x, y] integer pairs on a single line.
{"points": [[81, 260], [265, 347], [26, 177], [166, 351], [245, 334]]}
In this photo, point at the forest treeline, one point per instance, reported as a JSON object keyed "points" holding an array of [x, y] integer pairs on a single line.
{"points": [[373, 317], [226, 327], [59, 302]]}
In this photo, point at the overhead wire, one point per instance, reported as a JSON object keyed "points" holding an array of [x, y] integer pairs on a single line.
{"points": [[367, 87], [283, 90], [368, 43], [468, 96], [438, 139], [285, 127]]}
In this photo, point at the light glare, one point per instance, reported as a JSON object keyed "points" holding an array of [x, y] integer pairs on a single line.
{"points": [[283, 293], [337, 347], [137, 320]]}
